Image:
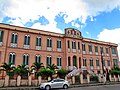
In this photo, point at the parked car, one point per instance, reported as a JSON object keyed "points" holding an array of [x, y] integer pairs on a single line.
{"points": [[55, 83]]}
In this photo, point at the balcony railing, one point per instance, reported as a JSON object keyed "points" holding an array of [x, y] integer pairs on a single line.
{"points": [[38, 48], [1, 43], [13, 45], [26, 46]]}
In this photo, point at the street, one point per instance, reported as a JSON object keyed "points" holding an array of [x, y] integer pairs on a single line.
{"points": [[102, 87]]}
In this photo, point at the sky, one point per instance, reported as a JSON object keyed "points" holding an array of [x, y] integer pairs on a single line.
{"points": [[96, 19]]}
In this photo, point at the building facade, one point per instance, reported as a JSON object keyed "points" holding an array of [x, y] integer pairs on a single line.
{"points": [[20, 45]]}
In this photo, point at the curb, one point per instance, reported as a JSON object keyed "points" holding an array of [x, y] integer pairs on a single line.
{"points": [[71, 86]]}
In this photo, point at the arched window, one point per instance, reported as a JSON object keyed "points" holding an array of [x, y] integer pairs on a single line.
{"points": [[38, 58], [1, 36], [27, 40], [59, 61], [49, 42], [12, 58], [48, 60], [25, 59], [69, 61], [14, 38], [38, 41]]}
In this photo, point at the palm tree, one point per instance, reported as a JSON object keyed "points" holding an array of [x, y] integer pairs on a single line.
{"points": [[21, 70], [7, 67], [52, 67], [36, 66]]}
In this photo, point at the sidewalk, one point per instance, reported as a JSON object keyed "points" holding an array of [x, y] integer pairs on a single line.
{"points": [[71, 86]]}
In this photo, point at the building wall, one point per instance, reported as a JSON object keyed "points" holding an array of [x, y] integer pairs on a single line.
{"points": [[70, 34]]}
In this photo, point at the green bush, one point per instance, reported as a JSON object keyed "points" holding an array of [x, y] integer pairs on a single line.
{"points": [[45, 73], [93, 78], [62, 73], [115, 72]]}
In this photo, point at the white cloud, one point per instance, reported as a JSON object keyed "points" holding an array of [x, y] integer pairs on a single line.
{"points": [[24, 10], [111, 36]]}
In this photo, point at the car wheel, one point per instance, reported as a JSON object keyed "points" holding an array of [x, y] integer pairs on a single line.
{"points": [[47, 87], [65, 86]]}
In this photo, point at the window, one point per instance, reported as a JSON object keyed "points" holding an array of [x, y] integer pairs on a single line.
{"points": [[49, 42], [25, 59], [97, 62], [114, 51], [48, 60], [96, 48], [108, 62], [115, 62], [38, 41], [103, 62], [27, 40], [73, 45], [78, 45], [58, 43], [1, 36], [84, 62], [101, 50], [107, 50], [14, 38], [91, 62], [59, 61], [12, 58], [83, 47], [69, 62], [68, 44], [90, 48], [37, 58]]}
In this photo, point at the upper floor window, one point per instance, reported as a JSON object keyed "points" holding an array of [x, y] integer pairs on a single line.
{"points": [[84, 62], [90, 48], [101, 50], [97, 62], [73, 45], [38, 41], [83, 47], [69, 61], [49, 42], [27, 40], [115, 62], [48, 60], [103, 62], [68, 43], [37, 58], [96, 48], [59, 61], [78, 45], [91, 62], [108, 62], [58, 43], [107, 50], [25, 59], [1, 36], [114, 51], [12, 58], [14, 38]]}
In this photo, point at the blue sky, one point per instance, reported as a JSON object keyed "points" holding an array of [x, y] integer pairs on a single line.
{"points": [[96, 19]]}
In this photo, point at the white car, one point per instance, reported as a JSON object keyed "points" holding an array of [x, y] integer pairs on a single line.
{"points": [[55, 83]]}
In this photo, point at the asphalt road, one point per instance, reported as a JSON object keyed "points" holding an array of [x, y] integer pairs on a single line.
{"points": [[102, 87]]}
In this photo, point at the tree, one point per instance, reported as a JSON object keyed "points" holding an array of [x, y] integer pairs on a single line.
{"points": [[62, 73], [8, 68], [36, 66], [45, 73], [22, 70]]}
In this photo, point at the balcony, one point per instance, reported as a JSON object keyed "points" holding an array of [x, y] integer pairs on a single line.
{"points": [[59, 49], [84, 52], [1, 43], [49, 49], [14, 45], [79, 50], [96, 53], [70, 68], [98, 67], [68, 49], [59, 67], [91, 67], [26, 46], [114, 55], [73, 50], [38, 48], [90, 52]]}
